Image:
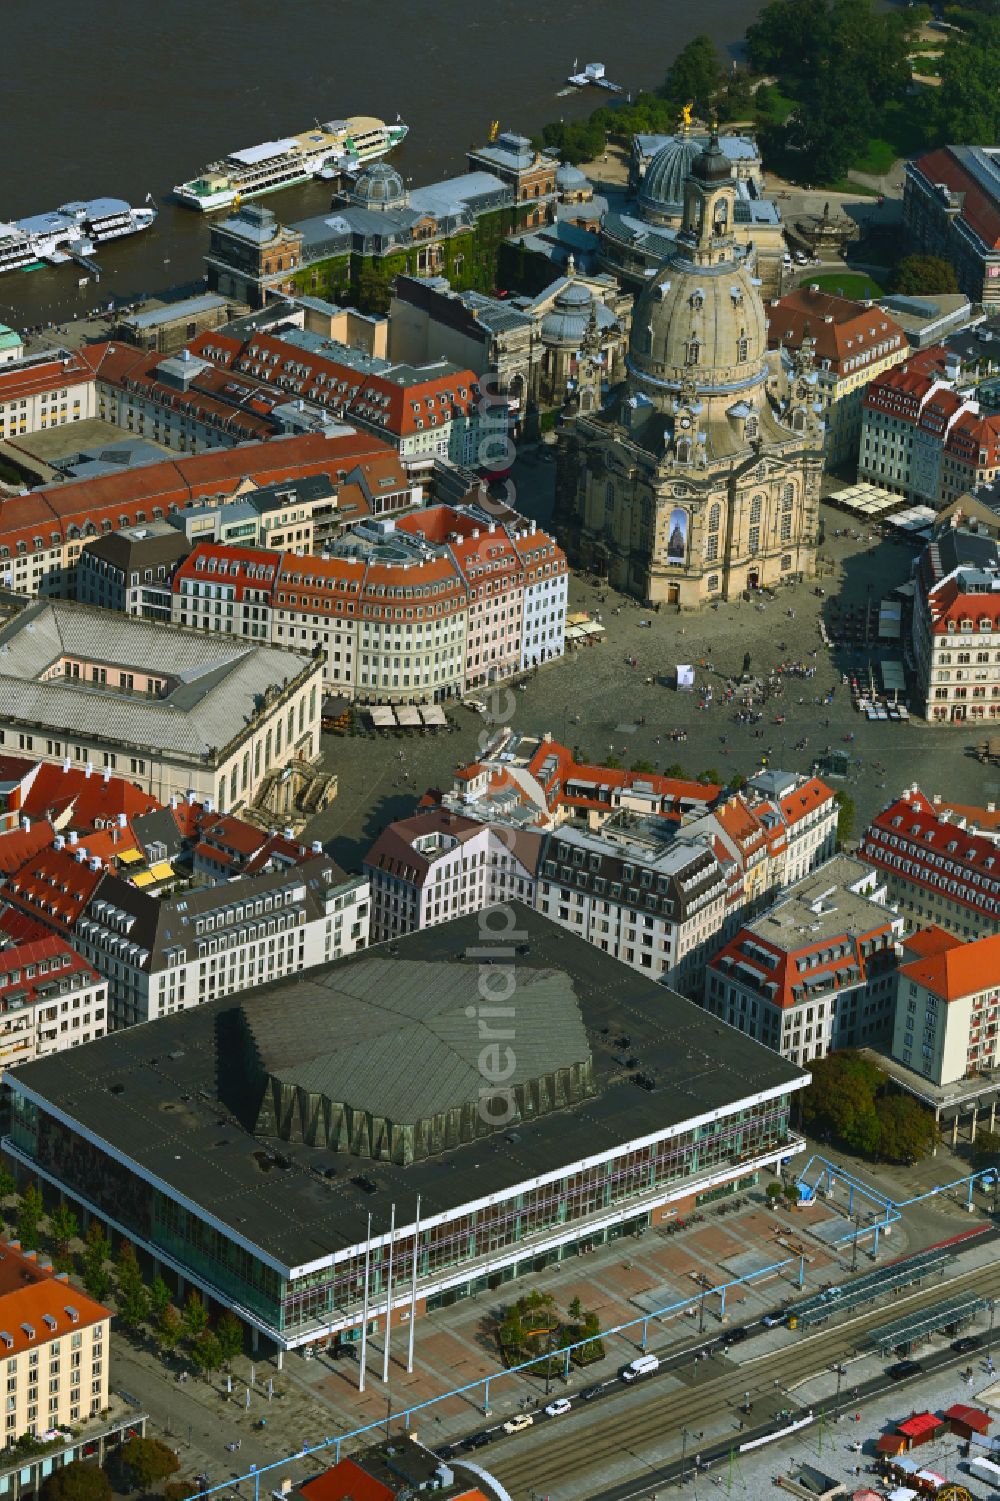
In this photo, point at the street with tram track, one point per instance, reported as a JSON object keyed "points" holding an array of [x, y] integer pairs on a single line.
{"points": [[630, 1440]]}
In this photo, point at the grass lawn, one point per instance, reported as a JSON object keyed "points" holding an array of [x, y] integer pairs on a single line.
{"points": [[846, 284], [903, 133], [779, 105]]}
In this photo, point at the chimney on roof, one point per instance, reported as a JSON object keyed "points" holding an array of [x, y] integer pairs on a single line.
{"points": [[208, 805], [122, 821], [936, 798], [94, 862], [90, 769], [72, 836], [107, 775], [66, 763], [81, 856], [316, 847], [59, 842], [289, 832], [191, 797], [26, 824]]}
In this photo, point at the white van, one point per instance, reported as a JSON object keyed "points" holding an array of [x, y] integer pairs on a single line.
{"points": [[646, 1365]]}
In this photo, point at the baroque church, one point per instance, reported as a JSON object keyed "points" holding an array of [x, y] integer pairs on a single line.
{"points": [[699, 476]]}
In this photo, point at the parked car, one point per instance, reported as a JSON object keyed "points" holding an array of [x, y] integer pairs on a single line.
{"points": [[734, 1336], [557, 1408], [967, 1343], [645, 1365], [518, 1422], [772, 1320], [904, 1369], [590, 1392]]}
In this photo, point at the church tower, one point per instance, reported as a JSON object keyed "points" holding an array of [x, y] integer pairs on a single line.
{"points": [[699, 479]]}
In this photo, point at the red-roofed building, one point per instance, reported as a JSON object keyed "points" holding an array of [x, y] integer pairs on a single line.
{"points": [[17, 773], [70, 798], [55, 886], [923, 439], [41, 1315], [948, 1011], [854, 342], [936, 869], [955, 628], [400, 1472], [964, 1421], [486, 599], [816, 971], [50, 998], [45, 390], [951, 208], [43, 532], [921, 1428]]}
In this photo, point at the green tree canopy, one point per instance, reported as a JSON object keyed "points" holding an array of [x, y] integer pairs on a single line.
{"points": [[694, 76], [29, 1217], [159, 1297], [206, 1353], [967, 105], [133, 1300], [987, 1147], [143, 1462], [79, 1481], [917, 275], [96, 1252], [195, 1315], [229, 1333], [906, 1128], [845, 816], [169, 1328], [841, 1100]]}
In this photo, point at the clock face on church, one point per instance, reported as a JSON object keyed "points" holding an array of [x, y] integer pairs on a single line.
{"points": [[685, 422]]}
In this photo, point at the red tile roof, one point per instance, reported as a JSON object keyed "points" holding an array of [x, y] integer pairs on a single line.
{"points": [[17, 380], [31, 1294], [50, 955], [72, 800], [959, 971], [54, 887], [345, 1481], [842, 328], [965, 865], [978, 210], [20, 844], [970, 1417], [920, 1425]]}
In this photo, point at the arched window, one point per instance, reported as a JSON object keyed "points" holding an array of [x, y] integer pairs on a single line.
{"points": [[787, 497], [742, 350], [609, 496], [684, 450], [751, 426], [756, 508], [798, 420], [647, 511], [714, 517], [693, 352]]}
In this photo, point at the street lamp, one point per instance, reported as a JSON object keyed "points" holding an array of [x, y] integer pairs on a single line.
{"points": [[857, 1231], [991, 1305]]}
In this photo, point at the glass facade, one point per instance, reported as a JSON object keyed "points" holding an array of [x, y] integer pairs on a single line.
{"points": [[477, 1239]]}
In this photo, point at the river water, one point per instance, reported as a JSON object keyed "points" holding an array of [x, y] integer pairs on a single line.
{"points": [[126, 97]]}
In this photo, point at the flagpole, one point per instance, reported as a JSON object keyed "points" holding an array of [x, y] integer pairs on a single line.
{"points": [[364, 1307], [413, 1286], [388, 1299]]}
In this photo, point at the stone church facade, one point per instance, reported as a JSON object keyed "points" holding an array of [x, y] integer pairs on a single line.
{"points": [[699, 478]]}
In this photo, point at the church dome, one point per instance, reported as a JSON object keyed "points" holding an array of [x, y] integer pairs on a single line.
{"points": [[700, 325], [570, 179], [378, 187], [661, 194]]}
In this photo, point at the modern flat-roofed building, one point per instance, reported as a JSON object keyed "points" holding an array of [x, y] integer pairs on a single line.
{"points": [[360, 1085], [170, 709], [54, 1341]]}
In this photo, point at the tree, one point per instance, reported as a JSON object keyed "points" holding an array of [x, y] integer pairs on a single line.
{"points": [[709, 777], [229, 1334], [133, 1300], [694, 76], [845, 816], [841, 1100], [96, 1251], [576, 1310], [967, 105], [613, 763], [675, 769], [206, 1353], [906, 1128], [986, 1147], [373, 294], [169, 1328], [7, 1184], [179, 1490], [159, 1298], [774, 1191], [78, 1481], [29, 1215], [195, 1316], [791, 1192], [917, 275], [646, 768], [143, 1462], [63, 1228]]}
